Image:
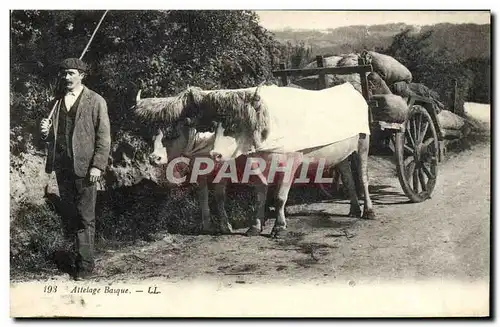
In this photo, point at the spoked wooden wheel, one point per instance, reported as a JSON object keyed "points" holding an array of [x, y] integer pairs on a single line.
{"points": [[417, 150]]}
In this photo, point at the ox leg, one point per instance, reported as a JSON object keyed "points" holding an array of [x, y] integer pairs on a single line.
{"points": [[358, 181], [260, 213], [347, 179], [282, 189], [220, 198], [269, 214], [363, 148], [206, 227], [280, 202]]}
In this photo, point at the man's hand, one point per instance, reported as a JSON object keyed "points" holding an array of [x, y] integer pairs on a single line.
{"points": [[95, 174], [45, 127]]}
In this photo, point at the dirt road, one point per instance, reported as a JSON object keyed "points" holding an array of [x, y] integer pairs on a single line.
{"points": [[445, 239]]}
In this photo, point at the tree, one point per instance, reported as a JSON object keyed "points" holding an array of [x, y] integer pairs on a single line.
{"points": [[295, 55], [410, 50], [159, 52]]}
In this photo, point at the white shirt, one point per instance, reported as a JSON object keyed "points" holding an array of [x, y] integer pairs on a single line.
{"points": [[71, 96]]}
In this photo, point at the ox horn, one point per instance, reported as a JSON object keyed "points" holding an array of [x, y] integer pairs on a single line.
{"points": [[214, 125], [256, 94], [138, 97]]}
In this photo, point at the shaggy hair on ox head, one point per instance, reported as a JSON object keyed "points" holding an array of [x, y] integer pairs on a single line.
{"points": [[241, 111], [170, 109]]}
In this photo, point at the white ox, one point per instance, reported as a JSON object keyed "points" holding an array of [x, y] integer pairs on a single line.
{"points": [[321, 127]]}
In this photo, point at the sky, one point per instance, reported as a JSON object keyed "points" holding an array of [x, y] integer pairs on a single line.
{"points": [[274, 20]]}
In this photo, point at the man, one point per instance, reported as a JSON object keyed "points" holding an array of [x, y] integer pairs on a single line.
{"points": [[79, 145]]}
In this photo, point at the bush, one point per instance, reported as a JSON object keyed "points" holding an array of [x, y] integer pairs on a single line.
{"points": [[436, 69]]}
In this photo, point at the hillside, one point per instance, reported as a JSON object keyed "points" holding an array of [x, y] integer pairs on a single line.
{"points": [[459, 42]]}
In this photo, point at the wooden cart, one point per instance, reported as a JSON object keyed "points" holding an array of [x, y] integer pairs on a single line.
{"points": [[416, 142]]}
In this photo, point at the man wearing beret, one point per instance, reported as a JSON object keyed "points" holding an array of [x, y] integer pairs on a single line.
{"points": [[79, 145]]}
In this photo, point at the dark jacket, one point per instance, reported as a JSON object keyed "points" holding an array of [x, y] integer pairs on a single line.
{"points": [[91, 139]]}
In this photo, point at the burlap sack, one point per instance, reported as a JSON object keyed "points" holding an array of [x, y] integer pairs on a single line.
{"points": [[377, 85], [405, 90], [401, 88], [391, 108], [423, 90], [448, 120], [312, 82], [348, 60], [389, 69]]}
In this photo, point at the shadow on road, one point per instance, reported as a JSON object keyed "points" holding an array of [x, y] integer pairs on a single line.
{"points": [[331, 222], [387, 194]]}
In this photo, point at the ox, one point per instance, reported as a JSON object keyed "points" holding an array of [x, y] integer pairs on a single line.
{"points": [[232, 142], [183, 141]]}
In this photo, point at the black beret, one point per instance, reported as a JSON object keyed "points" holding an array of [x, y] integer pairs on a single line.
{"points": [[73, 63]]}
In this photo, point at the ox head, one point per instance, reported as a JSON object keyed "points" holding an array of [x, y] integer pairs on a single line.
{"points": [[171, 133], [171, 141], [228, 147], [177, 135]]}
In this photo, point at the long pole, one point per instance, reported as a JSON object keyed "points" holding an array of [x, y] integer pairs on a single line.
{"points": [[93, 34], [81, 56]]}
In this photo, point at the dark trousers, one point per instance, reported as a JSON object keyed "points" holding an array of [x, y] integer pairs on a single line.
{"points": [[78, 196]]}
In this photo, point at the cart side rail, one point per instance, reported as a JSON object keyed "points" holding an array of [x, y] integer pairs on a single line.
{"points": [[364, 66]]}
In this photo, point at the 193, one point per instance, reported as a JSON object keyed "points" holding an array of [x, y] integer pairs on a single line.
{"points": [[49, 289]]}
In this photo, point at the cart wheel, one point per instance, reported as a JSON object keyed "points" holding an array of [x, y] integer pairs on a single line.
{"points": [[417, 150]]}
